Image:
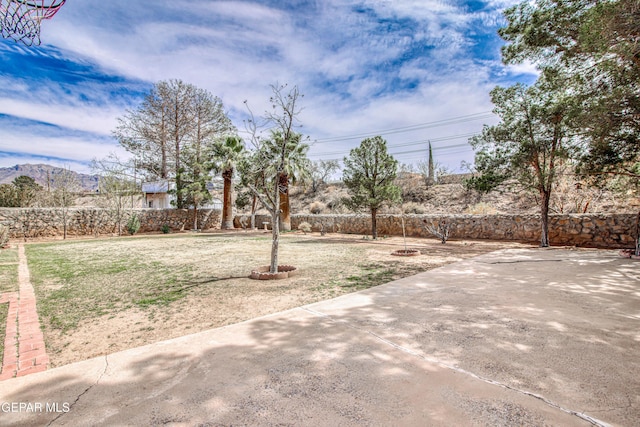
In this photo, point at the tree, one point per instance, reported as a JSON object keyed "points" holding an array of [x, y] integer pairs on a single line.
{"points": [[427, 169], [22, 192], [296, 168], [227, 154], [144, 132], [369, 173], [9, 196], [66, 187], [117, 186], [595, 45], [175, 118], [250, 177], [27, 190], [529, 144], [270, 158], [321, 171]]}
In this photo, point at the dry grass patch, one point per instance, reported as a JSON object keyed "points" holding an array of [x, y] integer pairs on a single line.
{"points": [[100, 296]]}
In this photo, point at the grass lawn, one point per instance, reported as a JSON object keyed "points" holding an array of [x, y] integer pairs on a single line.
{"points": [[8, 270], [4, 311], [99, 296], [8, 283]]}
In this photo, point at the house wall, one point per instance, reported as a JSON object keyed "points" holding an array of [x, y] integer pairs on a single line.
{"points": [[159, 200]]}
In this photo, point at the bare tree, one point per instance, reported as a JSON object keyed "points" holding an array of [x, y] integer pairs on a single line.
{"points": [[321, 171], [271, 157], [174, 117], [65, 189], [117, 185]]}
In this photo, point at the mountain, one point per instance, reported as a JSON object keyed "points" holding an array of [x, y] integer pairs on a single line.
{"points": [[42, 172]]}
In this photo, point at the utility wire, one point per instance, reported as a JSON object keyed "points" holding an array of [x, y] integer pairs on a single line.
{"points": [[437, 123], [407, 144]]}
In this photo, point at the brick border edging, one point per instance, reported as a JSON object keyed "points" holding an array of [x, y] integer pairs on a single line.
{"points": [[26, 334]]}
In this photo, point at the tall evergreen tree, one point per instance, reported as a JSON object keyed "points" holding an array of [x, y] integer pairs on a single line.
{"points": [[175, 118], [594, 44], [529, 144], [369, 173]]}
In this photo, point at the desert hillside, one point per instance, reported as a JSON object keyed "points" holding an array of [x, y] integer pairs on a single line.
{"points": [[447, 196], [569, 197]]}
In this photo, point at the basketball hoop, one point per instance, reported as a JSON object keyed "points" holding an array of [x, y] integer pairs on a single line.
{"points": [[20, 19]]}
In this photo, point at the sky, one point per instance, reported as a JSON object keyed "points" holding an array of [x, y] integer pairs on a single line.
{"points": [[412, 71]]}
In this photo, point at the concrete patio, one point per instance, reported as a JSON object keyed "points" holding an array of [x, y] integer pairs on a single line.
{"points": [[523, 337]]}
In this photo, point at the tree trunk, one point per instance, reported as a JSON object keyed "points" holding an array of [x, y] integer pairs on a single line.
{"points": [[374, 227], [275, 231], [285, 215], [227, 206], [638, 235], [254, 205], [195, 216], [545, 196]]}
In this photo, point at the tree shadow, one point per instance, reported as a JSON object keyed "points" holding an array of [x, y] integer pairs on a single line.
{"points": [[417, 351]]}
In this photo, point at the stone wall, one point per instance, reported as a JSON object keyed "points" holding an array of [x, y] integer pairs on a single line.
{"points": [[588, 230], [46, 222]]}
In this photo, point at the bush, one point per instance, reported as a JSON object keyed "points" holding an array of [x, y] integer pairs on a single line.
{"points": [[481, 209], [133, 225], [165, 229], [305, 227], [4, 235], [317, 208], [413, 208]]}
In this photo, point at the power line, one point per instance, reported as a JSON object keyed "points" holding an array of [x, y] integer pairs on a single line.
{"points": [[437, 123], [407, 144]]}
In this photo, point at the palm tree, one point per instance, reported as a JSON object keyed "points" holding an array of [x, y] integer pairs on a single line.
{"points": [[296, 168], [227, 154]]}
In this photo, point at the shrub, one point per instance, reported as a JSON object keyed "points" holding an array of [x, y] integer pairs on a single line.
{"points": [[165, 229], [305, 227], [4, 235], [413, 208], [441, 231], [481, 209], [317, 208], [133, 225]]}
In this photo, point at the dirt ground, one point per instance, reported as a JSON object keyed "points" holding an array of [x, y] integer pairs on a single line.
{"points": [[328, 266]]}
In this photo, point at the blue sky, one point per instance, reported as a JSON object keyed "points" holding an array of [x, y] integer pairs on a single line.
{"points": [[410, 70]]}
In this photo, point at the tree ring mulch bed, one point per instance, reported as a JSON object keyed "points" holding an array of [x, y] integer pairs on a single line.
{"points": [[284, 272], [629, 253], [406, 252]]}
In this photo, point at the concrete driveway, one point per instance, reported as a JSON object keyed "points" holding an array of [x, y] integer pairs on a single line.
{"points": [[517, 337]]}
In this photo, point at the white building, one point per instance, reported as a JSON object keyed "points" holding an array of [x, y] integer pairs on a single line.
{"points": [[157, 196]]}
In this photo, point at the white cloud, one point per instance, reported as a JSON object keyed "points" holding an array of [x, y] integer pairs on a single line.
{"points": [[351, 65], [93, 119], [58, 149], [526, 67]]}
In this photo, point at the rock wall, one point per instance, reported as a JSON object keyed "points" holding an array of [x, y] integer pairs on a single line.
{"points": [[45, 222], [588, 230]]}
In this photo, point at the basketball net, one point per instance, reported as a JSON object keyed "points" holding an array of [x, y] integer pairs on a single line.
{"points": [[20, 19]]}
